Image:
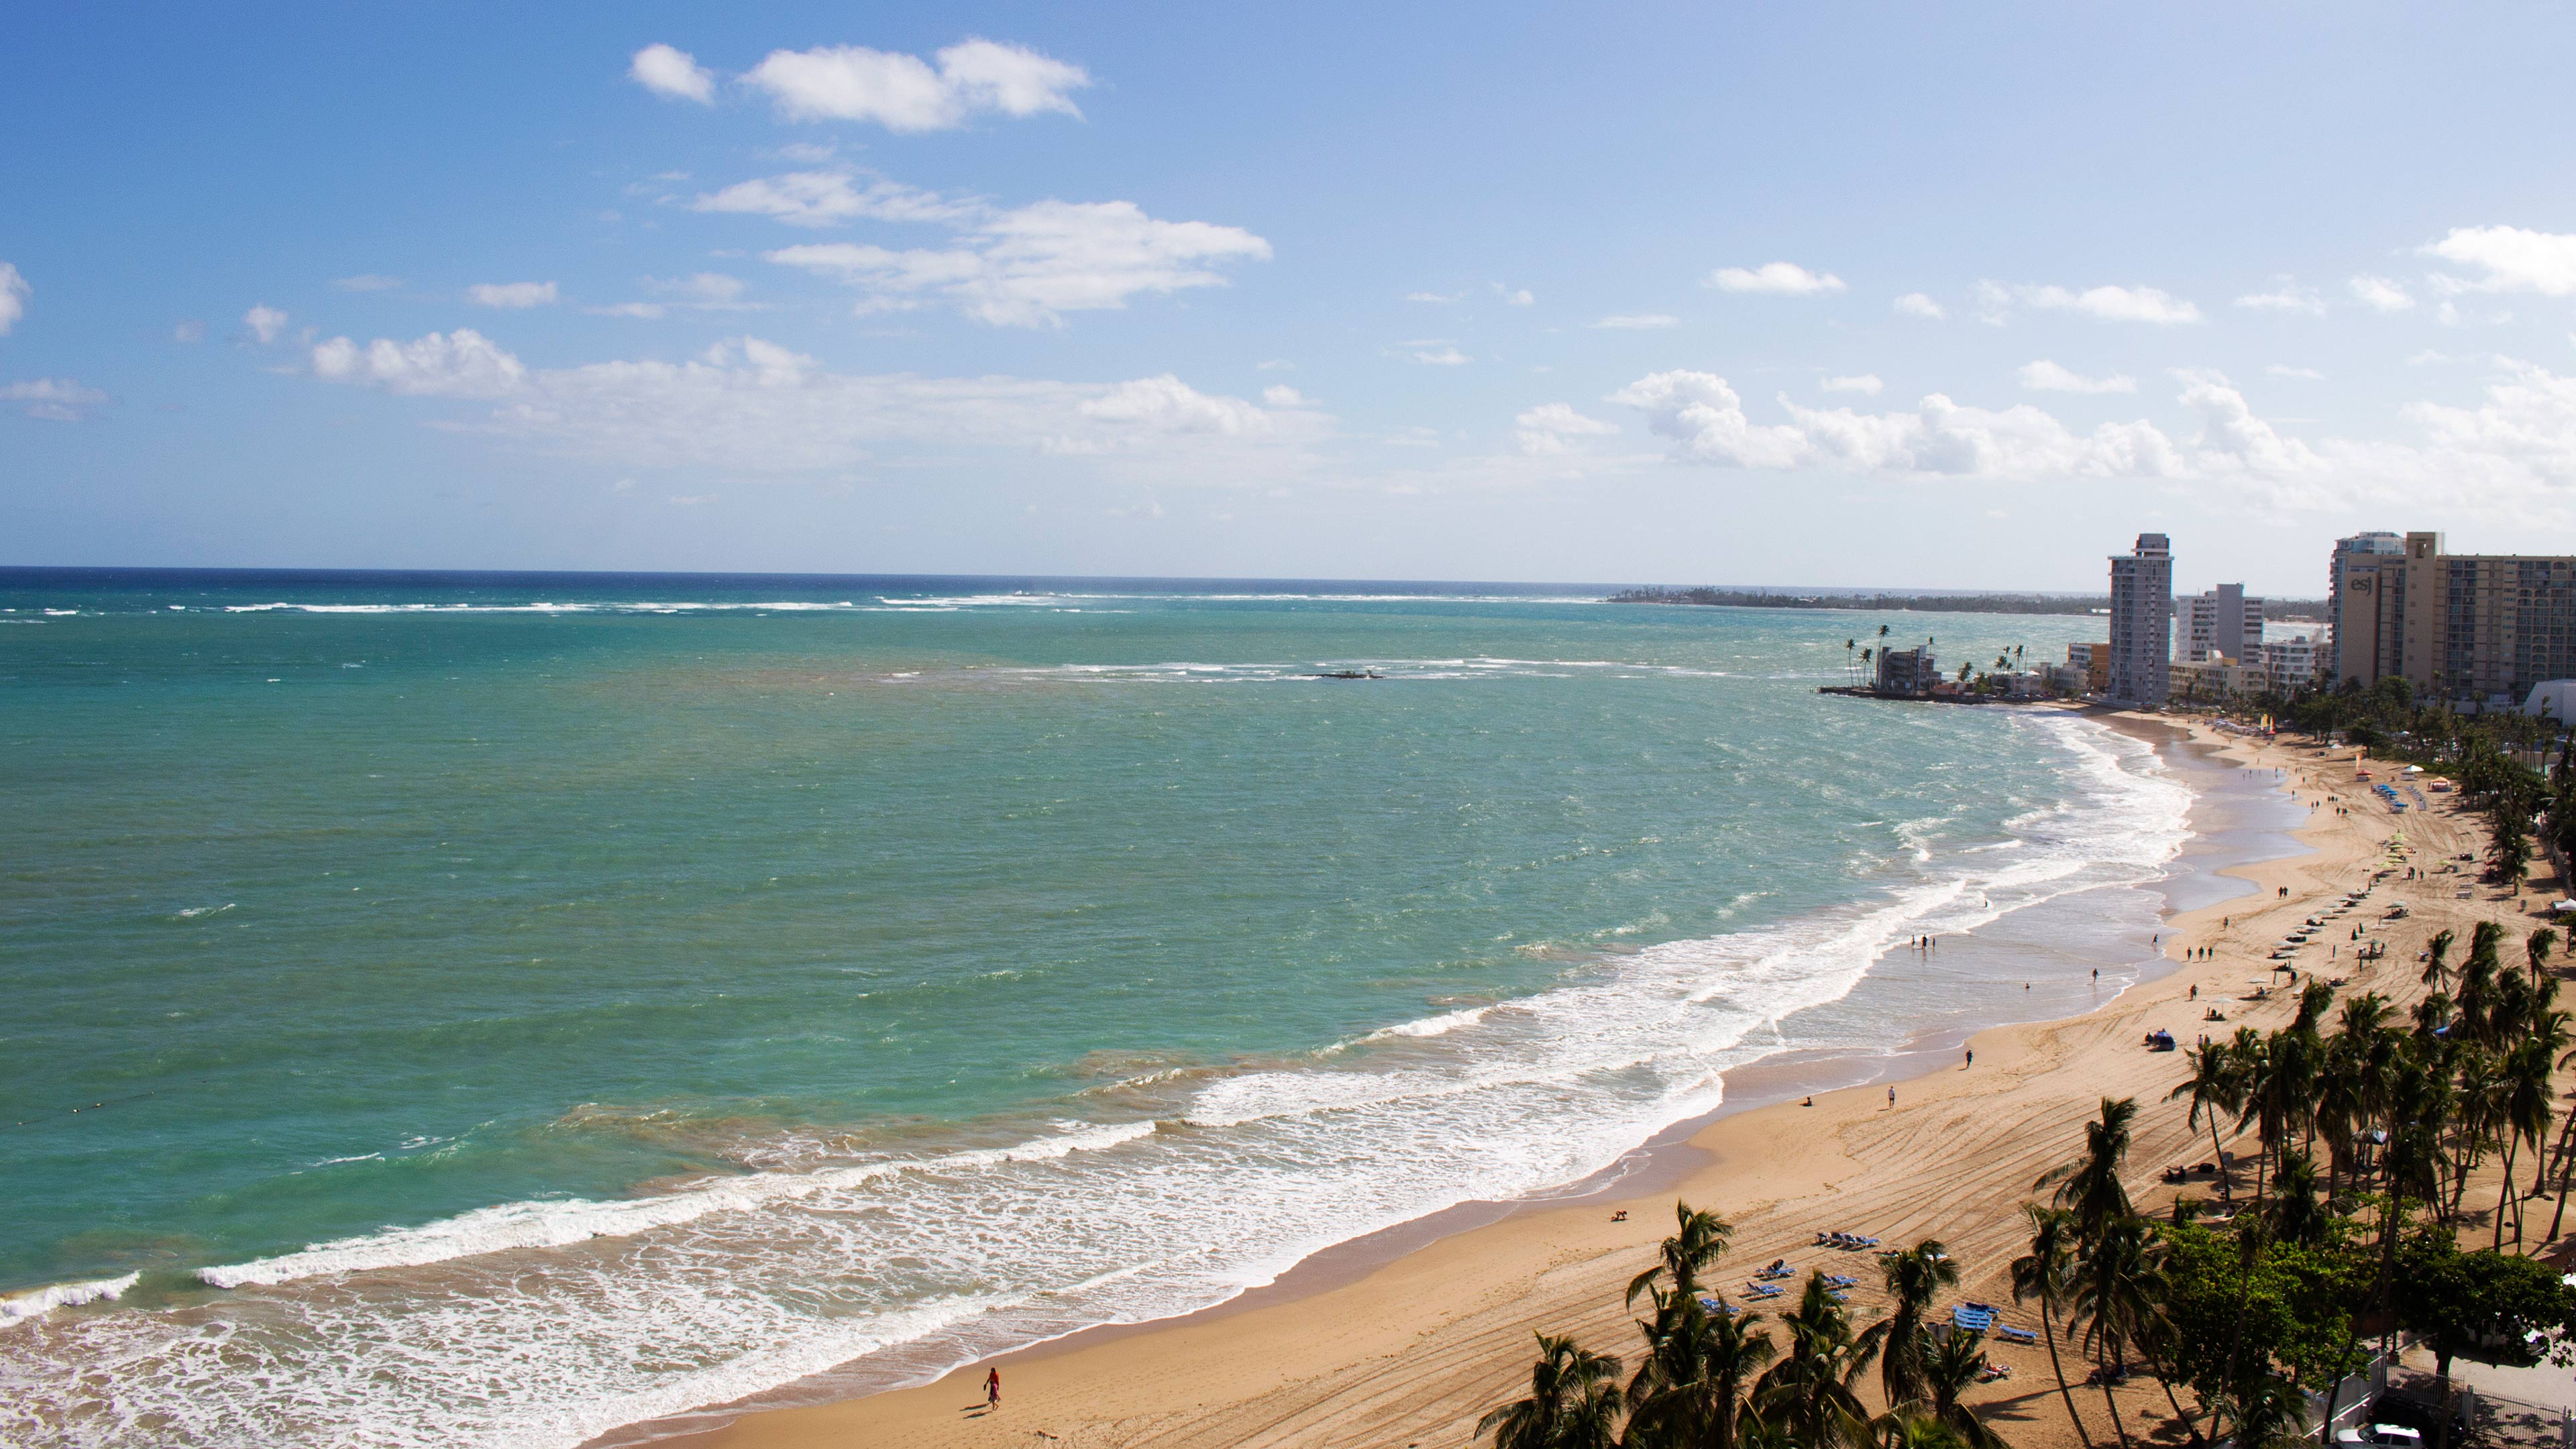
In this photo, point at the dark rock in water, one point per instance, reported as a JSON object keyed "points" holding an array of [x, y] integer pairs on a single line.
{"points": [[1350, 674]]}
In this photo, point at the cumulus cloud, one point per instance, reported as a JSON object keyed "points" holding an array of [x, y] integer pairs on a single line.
{"points": [[463, 363], [706, 291], [1542, 431], [1637, 321], [13, 297], [649, 311], [1516, 296], [2513, 259], [2047, 376], [512, 295], [829, 198], [672, 74], [1920, 304], [749, 406], [1436, 354], [365, 282], [904, 93], [54, 399], [265, 323], [2509, 457], [2303, 374], [2288, 296], [1029, 266], [2380, 294], [1866, 382], [2113, 304], [1782, 278]]}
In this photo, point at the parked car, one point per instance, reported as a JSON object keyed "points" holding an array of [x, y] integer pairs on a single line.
{"points": [[2398, 1436]]}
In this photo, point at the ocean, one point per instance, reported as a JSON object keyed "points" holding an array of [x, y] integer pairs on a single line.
{"points": [[471, 1010]]}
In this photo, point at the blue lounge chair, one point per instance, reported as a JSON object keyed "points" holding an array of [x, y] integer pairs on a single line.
{"points": [[2015, 1335], [1971, 1319]]}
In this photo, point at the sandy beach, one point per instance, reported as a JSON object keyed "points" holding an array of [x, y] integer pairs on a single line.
{"points": [[1409, 1351]]}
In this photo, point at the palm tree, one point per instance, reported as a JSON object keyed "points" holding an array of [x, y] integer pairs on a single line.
{"points": [[2524, 1118], [1697, 1241], [2536, 949], [2046, 1274], [1808, 1393], [2271, 1414], [2089, 1186], [1914, 1278], [2437, 971], [2214, 1087], [1690, 1386], [2119, 1283], [1951, 1363], [1848, 645], [1573, 1402]]}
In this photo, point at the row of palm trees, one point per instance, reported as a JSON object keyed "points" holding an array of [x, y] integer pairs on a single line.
{"points": [[2403, 1111], [1714, 1376]]}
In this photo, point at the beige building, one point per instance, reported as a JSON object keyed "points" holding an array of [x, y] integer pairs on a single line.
{"points": [[2480, 628]]}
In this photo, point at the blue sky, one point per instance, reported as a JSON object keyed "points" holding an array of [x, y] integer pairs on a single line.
{"points": [[1899, 295]]}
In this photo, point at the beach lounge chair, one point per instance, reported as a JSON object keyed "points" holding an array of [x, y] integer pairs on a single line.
{"points": [[1973, 1320], [2015, 1335], [1840, 1280], [1760, 1290]]}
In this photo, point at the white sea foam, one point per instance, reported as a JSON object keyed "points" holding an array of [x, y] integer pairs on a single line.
{"points": [[34, 1301], [542, 1324]]}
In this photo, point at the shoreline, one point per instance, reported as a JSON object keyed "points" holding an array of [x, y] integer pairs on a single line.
{"points": [[2215, 865]]}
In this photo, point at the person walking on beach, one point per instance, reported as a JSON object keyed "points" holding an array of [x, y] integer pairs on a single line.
{"points": [[1891, 1099], [992, 1389]]}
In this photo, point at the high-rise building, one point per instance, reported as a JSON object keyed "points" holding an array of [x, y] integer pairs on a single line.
{"points": [[2354, 585], [2141, 602], [2221, 621], [2474, 628]]}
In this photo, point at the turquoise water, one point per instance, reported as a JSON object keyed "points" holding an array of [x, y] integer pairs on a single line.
{"points": [[503, 1008]]}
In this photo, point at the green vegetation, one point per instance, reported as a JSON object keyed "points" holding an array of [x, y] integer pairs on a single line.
{"points": [[2245, 1312]]}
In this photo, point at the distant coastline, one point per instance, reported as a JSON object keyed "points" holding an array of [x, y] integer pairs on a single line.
{"points": [[2078, 605]]}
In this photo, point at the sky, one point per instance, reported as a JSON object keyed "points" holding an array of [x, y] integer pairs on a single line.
{"points": [[1831, 295]]}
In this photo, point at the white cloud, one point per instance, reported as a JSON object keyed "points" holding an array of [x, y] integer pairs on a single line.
{"points": [[1276, 364], [365, 282], [1866, 382], [2302, 374], [828, 198], [1280, 395], [706, 291], [672, 74], [2513, 258], [13, 297], [751, 407], [265, 323], [512, 295], [1169, 404], [903, 93], [2380, 294], [1637, 321], [1516, 296], [2114, 304], [1542, 430], [1920, 304], [2511, 456], [1784, 278], [1029, 266], [1436, 298], [1440, 356], [54, 399], [2047, 376], [464, 363], [188, 330], [649, 311], [2289, 296]]}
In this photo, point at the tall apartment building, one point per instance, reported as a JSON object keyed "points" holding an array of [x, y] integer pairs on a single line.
{"points": [[2365, 554], [2141, 602], [2479, 628], [2221, 621]]}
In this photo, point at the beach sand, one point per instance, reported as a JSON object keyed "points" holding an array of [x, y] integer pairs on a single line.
{"points": [[1409, 1351]]}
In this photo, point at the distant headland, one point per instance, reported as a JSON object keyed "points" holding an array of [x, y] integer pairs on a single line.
{"points": [[1943, 603]]}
